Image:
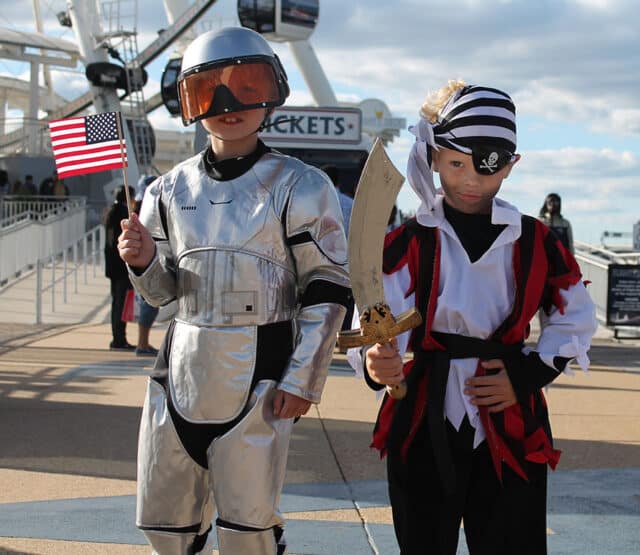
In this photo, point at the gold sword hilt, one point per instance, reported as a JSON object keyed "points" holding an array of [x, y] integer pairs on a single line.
{"points": [[379, 325]]}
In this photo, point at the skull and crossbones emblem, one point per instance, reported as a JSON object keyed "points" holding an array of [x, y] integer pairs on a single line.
{"points": [[490, 163]]}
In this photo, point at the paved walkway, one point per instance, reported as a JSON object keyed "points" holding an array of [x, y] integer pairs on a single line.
{"points": [[69, 410]]}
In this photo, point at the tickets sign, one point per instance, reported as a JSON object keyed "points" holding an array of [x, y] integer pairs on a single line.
{"points": [[322, 125]]}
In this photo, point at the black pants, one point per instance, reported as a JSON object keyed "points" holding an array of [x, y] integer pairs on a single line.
{"points": [[499, 519], [119, 288]]}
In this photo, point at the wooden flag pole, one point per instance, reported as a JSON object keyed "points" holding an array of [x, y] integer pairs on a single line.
{"points": [[124, 173]]}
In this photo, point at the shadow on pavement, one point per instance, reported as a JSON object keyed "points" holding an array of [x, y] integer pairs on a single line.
{"points": [[101, 440], [69, 438], [5, 551], [621, 354]]}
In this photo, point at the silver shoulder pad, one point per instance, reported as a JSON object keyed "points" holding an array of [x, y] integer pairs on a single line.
{"points": [[314, 212]]}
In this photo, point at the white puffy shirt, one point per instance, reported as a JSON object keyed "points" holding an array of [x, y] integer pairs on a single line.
{"points": [[475, 298]]}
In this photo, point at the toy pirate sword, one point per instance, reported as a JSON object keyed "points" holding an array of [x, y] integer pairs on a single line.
{"points": [[377, 190]]}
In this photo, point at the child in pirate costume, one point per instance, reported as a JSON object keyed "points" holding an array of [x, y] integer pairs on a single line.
{"points": [[251, 244], [471, 440]]}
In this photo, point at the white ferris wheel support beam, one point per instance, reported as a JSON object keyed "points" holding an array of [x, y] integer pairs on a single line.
{"points": [[86, 25], [313, 74], [150, 53]]}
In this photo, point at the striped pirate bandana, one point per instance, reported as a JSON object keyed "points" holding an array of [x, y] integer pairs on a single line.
{"points": [[478, 121]]}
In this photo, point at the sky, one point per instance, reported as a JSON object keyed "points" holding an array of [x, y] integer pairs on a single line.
{"points": [[571, 66]]}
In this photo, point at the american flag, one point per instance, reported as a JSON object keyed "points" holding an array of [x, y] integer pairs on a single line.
{"points": [[86, 145]]}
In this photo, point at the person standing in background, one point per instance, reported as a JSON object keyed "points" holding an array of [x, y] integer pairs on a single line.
{"points": [[5, 186], [147, 314], [551, 214], [59, 187], [116, 269], [28, 188], [46, 185], [346, 202]]}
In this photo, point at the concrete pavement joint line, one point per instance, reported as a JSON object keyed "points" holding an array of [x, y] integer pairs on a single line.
{"points": [[90, 370], [87, 367], [370, 540], [100, 520], [600, 368], [591, 512], [43, 335]]}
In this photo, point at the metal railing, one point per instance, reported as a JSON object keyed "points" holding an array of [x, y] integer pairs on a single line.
{"points": [[594, 264], [17, 208], [607, 254], [59, 268], [35, 228], [25, 135]]}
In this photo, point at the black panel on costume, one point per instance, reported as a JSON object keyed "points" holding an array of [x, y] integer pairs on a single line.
{"points": [[270, 365], [225, 170], [320, 291], [475, 231], [300, 238]]}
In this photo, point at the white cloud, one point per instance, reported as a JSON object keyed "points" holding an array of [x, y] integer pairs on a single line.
{"points": [[579, 162], [570, 62], [161, 119], [565, 60], [601, 5]]}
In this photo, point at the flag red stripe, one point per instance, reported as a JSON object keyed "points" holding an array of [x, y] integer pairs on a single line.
{"points": [[69, 134], [93, 160], [64, 128], [87, 153], [57, 123], [108, 163], [82, 147], [62, 131], [79, 138], [90, 169]]}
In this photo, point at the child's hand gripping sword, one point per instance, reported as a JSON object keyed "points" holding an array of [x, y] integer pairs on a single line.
{"points": [[377, 190]]}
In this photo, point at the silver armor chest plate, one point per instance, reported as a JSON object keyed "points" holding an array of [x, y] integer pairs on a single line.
{"points": [[223, 254], [233, 266]]}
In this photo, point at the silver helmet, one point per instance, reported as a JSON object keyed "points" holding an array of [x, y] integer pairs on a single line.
{"points": [[229, 70]]}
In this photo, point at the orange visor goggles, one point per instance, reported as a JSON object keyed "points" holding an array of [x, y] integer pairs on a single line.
{"points": [[214, 90]]}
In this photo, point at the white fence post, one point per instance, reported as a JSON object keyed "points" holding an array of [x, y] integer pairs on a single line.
{"points": [[38, 291]]}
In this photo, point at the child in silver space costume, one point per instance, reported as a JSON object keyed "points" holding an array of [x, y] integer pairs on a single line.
{"points": [[251, 244]]}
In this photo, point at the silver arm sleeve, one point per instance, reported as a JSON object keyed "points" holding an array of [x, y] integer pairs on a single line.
{"points": [[316, 236], [157, 284], [316, 326]]}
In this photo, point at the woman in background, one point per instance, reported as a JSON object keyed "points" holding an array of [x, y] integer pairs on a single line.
{"points": [[551, 214]]}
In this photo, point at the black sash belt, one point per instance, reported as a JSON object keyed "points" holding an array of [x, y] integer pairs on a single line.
{"points": [[456, 346]]}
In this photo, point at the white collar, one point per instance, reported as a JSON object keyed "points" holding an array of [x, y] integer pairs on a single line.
{"points": [[502, 213]]}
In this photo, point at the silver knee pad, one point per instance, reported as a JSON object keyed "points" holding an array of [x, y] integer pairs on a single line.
{"points": [[239, 542], [248, 464], [169, 543], [173, 491]]}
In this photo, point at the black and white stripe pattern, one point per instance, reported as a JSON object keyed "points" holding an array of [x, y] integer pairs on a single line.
{"points": [[473, 116], [477, 115]]}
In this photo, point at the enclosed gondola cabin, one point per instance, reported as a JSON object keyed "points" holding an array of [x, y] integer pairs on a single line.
{"points": [[280, 20], [169, 87]]}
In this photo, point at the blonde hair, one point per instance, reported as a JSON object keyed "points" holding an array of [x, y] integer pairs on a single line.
{"points": [[435, 101]]}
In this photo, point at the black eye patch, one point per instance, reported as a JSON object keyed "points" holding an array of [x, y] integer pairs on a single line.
{"points": [[488, 160]]}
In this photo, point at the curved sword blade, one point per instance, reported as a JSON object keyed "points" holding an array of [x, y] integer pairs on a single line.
{"points": [[377, 190]]}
